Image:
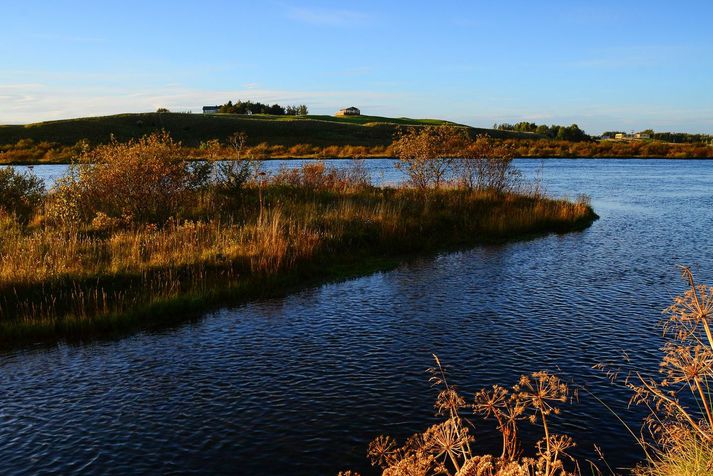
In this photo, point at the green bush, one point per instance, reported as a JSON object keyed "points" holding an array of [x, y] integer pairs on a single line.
{"points": [[20, 193]]}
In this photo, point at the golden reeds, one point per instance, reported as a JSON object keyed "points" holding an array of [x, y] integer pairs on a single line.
{"points": [[135, 224]]}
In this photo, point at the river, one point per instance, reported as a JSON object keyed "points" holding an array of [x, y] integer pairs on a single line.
{"points": [[301, 384]]}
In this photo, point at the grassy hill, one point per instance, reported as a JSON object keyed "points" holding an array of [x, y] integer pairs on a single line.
{"points": [[192, 129]]}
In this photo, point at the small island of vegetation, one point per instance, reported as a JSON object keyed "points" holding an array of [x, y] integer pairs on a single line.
{"points": [[135, 234]]}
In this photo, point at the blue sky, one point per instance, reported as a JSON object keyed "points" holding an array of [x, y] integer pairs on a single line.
{"points": [[604, 65]]}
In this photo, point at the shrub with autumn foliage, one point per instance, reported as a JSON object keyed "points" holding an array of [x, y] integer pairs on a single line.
{"points": [[144, 180], [425, 154], [433, 156], [20, 193]]}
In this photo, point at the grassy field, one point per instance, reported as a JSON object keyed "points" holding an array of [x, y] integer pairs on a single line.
{"points": [[192, 129]]}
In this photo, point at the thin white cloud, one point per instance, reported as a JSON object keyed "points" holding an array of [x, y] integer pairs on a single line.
{"points": [[35, 102]]}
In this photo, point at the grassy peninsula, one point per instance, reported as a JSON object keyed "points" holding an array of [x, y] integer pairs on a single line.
{"points": [[135, 234]]}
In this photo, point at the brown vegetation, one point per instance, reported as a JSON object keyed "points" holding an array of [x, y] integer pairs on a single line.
{"points": [[135, 225], [448, 447], [678, 436], [27, 151], [432, 156]]}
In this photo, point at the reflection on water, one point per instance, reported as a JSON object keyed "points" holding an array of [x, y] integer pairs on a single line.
{"points": [[299, 385]]}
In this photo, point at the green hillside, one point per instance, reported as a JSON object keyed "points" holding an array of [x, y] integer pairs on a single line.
{"points": [[192, 129]]}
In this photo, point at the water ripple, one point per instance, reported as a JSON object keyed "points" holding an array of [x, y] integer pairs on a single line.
{"points": [[299, 385]]}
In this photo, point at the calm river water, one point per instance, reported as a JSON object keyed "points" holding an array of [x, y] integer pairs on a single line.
{"points": [[299, 385]]}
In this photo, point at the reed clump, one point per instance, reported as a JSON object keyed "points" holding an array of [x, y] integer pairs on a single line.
{"points": [[134, 225]]}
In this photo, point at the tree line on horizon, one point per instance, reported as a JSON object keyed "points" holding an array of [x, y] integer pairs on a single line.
{"points": [[573, 133], [673, 137], [569, 133], [250, 107]]}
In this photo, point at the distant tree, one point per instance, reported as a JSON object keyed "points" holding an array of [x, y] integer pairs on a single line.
{"points": [[543, 130], [162, 110], [250, 107], [302, 110], [525, 127], [276, 110], [570, 133]]}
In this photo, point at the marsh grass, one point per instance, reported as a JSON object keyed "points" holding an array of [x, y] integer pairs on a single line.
{"points": [[689, 456], [49, 274], [135, 226]]}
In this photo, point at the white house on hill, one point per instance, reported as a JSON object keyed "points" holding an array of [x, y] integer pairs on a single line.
{"points": [[349, 111]]}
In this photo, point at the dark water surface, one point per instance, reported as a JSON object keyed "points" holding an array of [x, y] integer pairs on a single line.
{"points": [[299, 385]]}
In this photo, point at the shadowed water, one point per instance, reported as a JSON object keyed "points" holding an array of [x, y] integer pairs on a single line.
{"points": [[299, 385]]}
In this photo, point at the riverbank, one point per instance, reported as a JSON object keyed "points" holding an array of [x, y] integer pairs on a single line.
{"points": [[375, 156], [58, 284]]}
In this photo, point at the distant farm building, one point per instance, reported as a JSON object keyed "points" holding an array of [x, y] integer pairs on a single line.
{"points": [[211, 109], [638, 135], [349, 111]]}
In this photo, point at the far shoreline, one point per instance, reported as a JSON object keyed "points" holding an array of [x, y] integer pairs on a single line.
{"points": [[377, 157]]}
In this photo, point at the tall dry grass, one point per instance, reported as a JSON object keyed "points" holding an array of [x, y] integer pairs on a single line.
{"points": [[42, 269]]}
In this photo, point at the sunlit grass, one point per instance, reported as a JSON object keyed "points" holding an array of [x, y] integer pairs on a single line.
{"points": [[49, 273], [689, 457]]}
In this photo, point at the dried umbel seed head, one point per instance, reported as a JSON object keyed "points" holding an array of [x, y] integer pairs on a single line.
{"points": [[383, 451], [447, 438], [449, 402], [491, 402], [540, 390], [686, 364], [689, 311]]}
